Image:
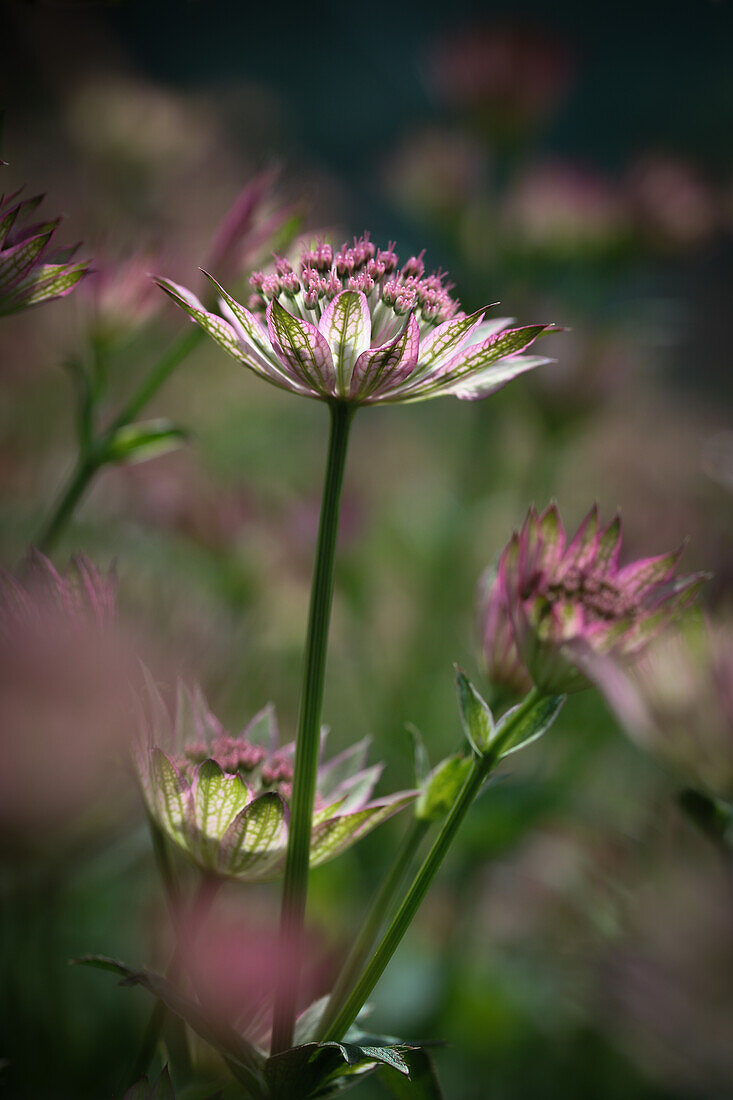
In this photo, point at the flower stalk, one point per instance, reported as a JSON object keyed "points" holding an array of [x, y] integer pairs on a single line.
{"points": [[480, 770], [295, 887], [375, 919], [96, 451]]}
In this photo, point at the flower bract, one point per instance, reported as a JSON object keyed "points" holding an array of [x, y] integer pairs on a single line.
{"points": [[31, 271], [351, 324], [225, 799]]}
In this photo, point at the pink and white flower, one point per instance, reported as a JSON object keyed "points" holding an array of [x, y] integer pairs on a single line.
{"points": [[224, 799], [351, 325]]}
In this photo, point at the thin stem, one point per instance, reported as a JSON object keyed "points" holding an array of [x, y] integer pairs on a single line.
{"points": [[404, 916], [199, 909], [70, 496], [92, 457], [295, 887], [160, 373], [375, 919]]}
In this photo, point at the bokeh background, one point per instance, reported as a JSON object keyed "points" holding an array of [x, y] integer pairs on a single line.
{"points": [[571, 161]]}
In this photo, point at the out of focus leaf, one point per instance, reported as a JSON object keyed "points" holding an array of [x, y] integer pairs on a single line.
{"points": [[441, 787], [139, 442], [243, 1059], [476, 716], [533, 725]]}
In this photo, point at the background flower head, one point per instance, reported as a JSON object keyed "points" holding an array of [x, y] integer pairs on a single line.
{"points": [[555, 601]]}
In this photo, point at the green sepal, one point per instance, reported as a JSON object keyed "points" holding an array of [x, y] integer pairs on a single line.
{"points": [[441, 787], [476, 717], [245, 1061], [532, 725], [139, 442]]}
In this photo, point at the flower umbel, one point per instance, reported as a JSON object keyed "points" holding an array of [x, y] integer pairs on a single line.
{"points": [[225, 799], [31, 273], [554, 602], [351, 324], [677, 702]]}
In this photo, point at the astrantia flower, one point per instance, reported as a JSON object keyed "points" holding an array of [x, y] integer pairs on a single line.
{"points": [[677, 702], [351, 324], [225, 799], [554, 602], [81, 595], [30, 272]]}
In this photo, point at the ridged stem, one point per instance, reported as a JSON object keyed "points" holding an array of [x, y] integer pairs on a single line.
{"points": [[295, 887], [374, 921]]}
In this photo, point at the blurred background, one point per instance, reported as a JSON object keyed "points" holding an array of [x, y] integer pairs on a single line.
{"points": [[571, 162]]}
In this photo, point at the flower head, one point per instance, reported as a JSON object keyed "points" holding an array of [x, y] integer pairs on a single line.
{"points": [[555, 601], [81, 595], [30, 272], [676, 701], [352, 324], [225, 798]]}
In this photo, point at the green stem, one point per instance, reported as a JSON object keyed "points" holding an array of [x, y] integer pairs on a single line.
{"points": [[92, 458], [295, 887], [199, 909], [160, 373], [375, 919], [404, 916], [70, 496]]}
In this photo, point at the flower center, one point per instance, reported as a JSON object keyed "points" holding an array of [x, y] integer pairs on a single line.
{"points": [[391, 292], [593, 591], [259, 769]]}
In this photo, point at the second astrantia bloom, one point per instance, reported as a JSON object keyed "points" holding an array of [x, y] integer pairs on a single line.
{"points": [[554, 602], [225, 800], [352, 325]]}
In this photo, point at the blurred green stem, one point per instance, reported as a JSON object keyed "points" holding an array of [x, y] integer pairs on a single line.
{"points": [[92, 449], [200, 905], [295, 887], [404, 916], [375, 919]]}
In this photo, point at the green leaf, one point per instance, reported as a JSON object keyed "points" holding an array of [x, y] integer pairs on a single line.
{"points": [[533, 725], [476, 716], [139, 442], [240, 1054], [441, 787], [319, 1069], [420, 754], [423, 1082]]}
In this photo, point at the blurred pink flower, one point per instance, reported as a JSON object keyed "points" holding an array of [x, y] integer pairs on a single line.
{"points": [[676, 701], [554, 603], [673, 206], [562, 210], [236, 960], [360, 329], [512, 74], [66, 673]]}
